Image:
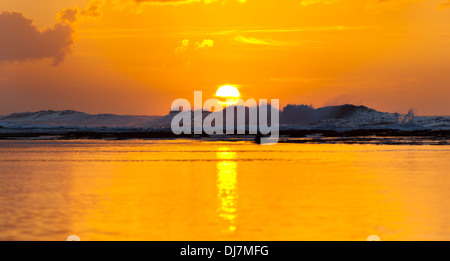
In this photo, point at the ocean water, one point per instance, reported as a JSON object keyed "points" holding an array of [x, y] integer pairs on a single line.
{"points": [[200, 190]]}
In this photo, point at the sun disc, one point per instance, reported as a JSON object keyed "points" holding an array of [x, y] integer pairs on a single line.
{"points": [[228, 91]]}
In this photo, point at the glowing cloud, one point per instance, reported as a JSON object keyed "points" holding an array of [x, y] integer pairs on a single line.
{"points": [[183, 46], [207, 43], [256, 41]]}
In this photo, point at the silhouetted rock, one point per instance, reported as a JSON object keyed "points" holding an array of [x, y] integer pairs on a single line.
{"points": [[303, 114]]}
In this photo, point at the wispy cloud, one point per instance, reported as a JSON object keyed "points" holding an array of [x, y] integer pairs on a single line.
{"points": [[186, 53], [207, 43], [137, 5], [257, 41], [185, 45], [281, 30], [92, 9], [151, 32]]}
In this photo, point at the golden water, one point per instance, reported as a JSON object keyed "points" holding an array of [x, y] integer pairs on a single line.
{"points": [[198, 190]]}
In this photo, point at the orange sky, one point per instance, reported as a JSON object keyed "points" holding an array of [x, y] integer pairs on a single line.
{"points": [[137, 56]]}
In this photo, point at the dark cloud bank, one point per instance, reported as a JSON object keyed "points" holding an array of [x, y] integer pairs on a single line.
{"points": [[21, 40]]}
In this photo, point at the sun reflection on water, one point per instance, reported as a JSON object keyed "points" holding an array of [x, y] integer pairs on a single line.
{"points": [[227, 187]]}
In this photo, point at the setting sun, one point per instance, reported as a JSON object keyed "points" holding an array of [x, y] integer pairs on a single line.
{"points": [[228, 91]]}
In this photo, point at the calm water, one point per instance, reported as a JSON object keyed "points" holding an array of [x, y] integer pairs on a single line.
{"points": [[197, 190]]}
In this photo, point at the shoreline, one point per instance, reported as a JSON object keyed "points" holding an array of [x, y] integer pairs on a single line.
{"points": [[310, 136]]}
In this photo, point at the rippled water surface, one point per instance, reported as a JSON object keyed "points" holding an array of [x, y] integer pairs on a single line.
{"points": [[198, 190]]}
